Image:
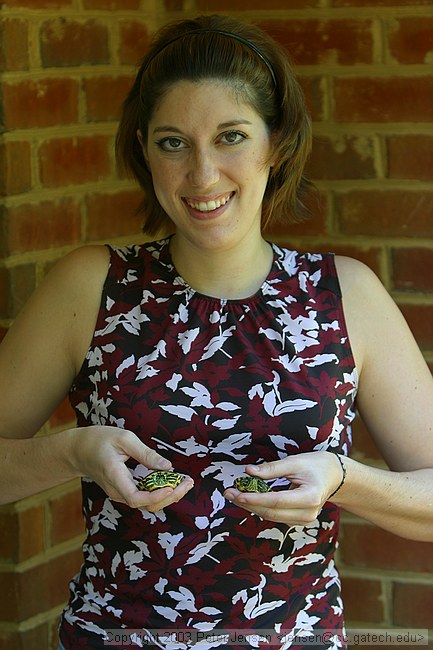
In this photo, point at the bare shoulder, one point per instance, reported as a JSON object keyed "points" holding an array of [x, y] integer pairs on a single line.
{"points": [[354, 274], [365, 298], [375, 323], [86, 264], [46, 345], [65, 305], [362, 294], [395, 396], [72, 289]]}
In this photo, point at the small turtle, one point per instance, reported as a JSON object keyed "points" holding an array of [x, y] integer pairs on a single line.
{"points": [[251, 484], [159, 479]]}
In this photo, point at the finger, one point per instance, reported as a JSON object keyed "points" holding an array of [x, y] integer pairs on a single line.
{"points": [[277, 509], [271, 469], [288, 517], [119, 484], [299, 497], [134, 447], [162, 497]]}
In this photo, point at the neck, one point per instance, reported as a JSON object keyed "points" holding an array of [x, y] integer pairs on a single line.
{"points": [[229, 273]]}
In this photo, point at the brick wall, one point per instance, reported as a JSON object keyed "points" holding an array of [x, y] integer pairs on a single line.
{"points": [[366, 67]]}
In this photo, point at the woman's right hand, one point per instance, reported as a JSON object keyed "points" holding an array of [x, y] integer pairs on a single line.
{"points": [[101, 452]]}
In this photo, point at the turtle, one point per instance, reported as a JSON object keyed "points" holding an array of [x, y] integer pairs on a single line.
{"points": [[251, 484], [159, 479]]}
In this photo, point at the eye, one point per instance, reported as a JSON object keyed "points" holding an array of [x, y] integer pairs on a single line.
{"points": [[170, 143], [232, 137]]}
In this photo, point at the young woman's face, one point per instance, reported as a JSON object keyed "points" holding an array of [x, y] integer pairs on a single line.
{"points": [[208, 153]]}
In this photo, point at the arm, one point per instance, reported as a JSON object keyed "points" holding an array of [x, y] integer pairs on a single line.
{"points": [[39, 358], [396, 402]]}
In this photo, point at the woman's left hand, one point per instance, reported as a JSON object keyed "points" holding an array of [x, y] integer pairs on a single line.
{"points": [[313, 478]]}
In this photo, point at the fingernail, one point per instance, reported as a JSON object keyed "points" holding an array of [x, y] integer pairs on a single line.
{"points": [[163, 463]]}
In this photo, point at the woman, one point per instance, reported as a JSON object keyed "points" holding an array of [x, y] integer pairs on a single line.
{"points": [[220, 355]]}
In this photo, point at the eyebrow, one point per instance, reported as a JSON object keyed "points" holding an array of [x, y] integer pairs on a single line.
{"points": [[224, 125]]}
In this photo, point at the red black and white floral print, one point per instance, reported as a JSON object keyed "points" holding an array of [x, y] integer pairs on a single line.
{"points": [[213, 385]]}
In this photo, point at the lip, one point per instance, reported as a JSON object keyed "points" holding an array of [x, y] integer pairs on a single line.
{"points": [[211, 214]]}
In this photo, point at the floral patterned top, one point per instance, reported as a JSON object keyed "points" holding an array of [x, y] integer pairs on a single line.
{"points": [[212, 385]]}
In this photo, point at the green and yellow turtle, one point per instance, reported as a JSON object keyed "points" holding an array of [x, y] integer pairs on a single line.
{"points": [[159, 479], [251, 484]]}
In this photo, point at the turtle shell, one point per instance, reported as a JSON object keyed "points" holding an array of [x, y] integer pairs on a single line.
{"points": [[159, 479], [251, 484]]}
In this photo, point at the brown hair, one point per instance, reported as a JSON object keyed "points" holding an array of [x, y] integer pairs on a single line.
{"points": [[189, 50]]}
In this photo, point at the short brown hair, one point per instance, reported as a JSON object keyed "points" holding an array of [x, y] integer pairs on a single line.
{"points": [[201, 55]]}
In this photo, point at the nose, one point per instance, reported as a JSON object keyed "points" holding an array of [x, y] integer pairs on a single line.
{"points": [[204, 170]]}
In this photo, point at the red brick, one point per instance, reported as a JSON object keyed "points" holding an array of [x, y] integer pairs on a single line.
{"points": [[10, 639], [66, 517], [369, 255], [363, 600], [412, 269], [385, 99], [420, 319], [314, 96], [38, 589], [36, 638], [341, 157], [21, 533], [113, 215], [385, 213], [64, 414], [363, 545], [174, 5], [31, 533], [23, 593], [378, 3], [42, 225], [364, 446], [9, 530], [314, 223], [60, 570], [312, 42], [15, 167], [14, 50], [68, 43], [413, 604], [134, 41], [46, 102], [4, 292], [251, 5], [410, 40], [410, 156], [68, 161], [54, 634], [38, 4], [104, 97], [16, 285], [111, 4]]}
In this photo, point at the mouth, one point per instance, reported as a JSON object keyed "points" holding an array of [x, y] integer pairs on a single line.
{"points": [[208, 206]]}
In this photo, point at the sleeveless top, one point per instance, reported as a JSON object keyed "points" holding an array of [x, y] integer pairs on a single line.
{"points": [[212, 385]]}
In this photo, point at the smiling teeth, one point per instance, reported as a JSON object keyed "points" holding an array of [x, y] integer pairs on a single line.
{"points": [[208, 206]]}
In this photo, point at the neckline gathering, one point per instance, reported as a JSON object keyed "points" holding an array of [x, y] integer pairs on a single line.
{"points": [[177, 279]]}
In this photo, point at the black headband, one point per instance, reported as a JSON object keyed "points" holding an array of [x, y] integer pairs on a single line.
{"points": [[203, 30]]}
